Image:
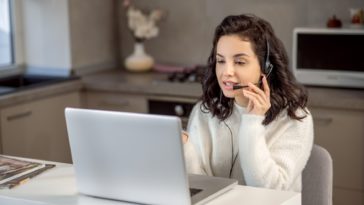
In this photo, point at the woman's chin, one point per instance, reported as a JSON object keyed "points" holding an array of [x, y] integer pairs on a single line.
{"points": [[229, 94]]}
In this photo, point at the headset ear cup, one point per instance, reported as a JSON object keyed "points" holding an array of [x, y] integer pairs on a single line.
{"points": [[268, 69], [268, 66]]}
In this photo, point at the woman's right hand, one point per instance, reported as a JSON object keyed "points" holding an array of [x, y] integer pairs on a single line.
{"points": [[184, 135]]}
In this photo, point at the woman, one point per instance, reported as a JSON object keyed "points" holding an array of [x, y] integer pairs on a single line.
{"points": [[252, 123]]}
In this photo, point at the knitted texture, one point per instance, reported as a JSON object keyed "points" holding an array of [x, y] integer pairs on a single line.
{"points": [[271, 156]]}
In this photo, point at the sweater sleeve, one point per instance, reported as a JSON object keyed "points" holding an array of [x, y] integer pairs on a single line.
{"points": [[276, 165], [193, 162], [196, 147]]}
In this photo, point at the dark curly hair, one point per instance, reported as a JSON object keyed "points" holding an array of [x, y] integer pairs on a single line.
{"points": [[286, 92]]}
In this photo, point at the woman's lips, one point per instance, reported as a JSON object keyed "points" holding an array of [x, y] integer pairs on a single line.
{"points": [[228, 85]]}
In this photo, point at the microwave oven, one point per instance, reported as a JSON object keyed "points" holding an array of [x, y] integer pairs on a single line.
{"points": [[329, 57]]}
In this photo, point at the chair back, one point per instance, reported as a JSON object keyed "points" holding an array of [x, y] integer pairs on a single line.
{"points": [[317, 178]]}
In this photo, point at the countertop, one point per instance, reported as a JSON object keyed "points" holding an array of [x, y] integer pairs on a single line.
{"points": [[152, 83], [156, 84], [39, 92]]}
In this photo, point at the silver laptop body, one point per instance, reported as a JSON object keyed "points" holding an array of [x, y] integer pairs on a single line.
{"points": [[134, 157]]}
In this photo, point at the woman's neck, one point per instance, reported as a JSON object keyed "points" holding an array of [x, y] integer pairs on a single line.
{"points": [[243, 102]]}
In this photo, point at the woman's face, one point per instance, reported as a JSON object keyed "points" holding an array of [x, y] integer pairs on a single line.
{"points": [[236, 63]]}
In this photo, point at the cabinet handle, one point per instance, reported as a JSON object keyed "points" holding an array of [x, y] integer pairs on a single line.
{"points": [[324, 120], [19, 115]]}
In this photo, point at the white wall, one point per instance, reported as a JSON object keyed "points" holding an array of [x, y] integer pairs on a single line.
{"points": [[46, 34], [57, 37]]}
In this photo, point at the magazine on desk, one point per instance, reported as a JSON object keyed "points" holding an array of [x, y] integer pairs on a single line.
{"points": [[14, 172]]}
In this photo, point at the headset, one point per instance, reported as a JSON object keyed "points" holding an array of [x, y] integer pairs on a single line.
{"points": [[233, 159], [268, 66]]}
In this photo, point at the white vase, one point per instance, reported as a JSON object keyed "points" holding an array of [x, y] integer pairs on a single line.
{"points": [[139, 61]]}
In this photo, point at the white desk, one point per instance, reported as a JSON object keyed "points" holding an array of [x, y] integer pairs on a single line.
{"points": [[58, 186]]}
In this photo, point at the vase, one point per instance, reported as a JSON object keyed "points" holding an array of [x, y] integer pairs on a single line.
{"points": [[139, 61]]}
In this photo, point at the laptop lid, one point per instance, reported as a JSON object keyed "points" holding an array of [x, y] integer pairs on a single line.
{"points": [[132, 157]]}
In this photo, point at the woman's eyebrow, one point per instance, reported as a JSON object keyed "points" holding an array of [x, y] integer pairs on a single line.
{"points": [[240, 55], [219, 55], [236, 55]]}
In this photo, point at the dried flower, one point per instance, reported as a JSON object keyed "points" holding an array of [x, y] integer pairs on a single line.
{"points": [[142, 25]]}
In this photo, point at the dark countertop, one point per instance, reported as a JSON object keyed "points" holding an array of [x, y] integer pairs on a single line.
{"points": [[35, 93], [152, 83]]}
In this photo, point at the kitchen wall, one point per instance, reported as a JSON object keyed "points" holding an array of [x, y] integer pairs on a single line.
{"points": [[46, 35], [58, 37], [93, 32], [88, 35], [186, 34]]}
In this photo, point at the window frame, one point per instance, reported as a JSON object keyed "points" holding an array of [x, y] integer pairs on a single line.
{"points": [[11, 38], [16, 40]]}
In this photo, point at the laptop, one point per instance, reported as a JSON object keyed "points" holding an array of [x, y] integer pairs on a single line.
{"points": [[135, 158]]}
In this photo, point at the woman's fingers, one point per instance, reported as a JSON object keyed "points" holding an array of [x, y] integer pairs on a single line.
{"points": [[258, 105], [253, 97], [250, 106], [257, 90], [184, 137], [266, 90], [266, 87], [260, 98]]}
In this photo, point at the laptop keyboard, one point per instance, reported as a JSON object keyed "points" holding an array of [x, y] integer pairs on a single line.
{"points": [[194, 191]]}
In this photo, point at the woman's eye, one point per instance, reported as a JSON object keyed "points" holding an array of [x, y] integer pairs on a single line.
{"points": [[239, 62], [220, 61]]}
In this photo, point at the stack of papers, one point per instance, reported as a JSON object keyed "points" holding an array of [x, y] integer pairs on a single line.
{"points": [[14, 172]]}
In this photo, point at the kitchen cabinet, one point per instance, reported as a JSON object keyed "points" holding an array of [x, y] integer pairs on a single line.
{"points": [[37, 129], [115, 101], [341, 132]]}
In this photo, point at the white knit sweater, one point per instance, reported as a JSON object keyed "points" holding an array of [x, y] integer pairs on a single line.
{"points": [[271, 156]]}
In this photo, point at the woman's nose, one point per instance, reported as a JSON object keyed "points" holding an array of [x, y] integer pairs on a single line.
{"points": [[229, 69]]}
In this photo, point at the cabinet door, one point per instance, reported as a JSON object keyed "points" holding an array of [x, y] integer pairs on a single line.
{"points": [[115, 101], [38, 129], [341, 132]]}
